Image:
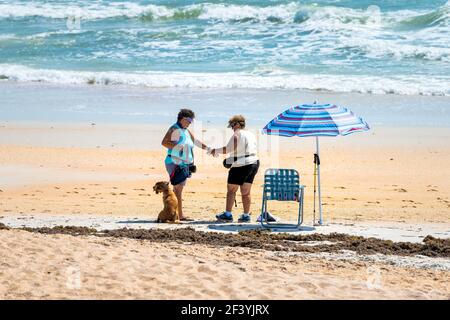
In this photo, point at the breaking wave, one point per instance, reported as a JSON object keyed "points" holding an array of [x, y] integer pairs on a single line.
{"points": [[258, 79], [293, 12]]}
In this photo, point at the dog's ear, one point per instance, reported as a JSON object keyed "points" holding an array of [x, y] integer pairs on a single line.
{"points": [[166, 184]]}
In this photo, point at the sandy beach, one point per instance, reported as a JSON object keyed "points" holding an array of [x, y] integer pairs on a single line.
{"points": [[383, 175], [88, 90], [65, 267], [383, 184]]}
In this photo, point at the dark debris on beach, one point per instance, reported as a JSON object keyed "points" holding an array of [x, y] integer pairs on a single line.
{"points": [[265, 240], [3, 227]]}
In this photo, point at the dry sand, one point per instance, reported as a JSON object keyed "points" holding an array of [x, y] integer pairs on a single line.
{"points": [[35, 266], [374, 177], [379, 177]]}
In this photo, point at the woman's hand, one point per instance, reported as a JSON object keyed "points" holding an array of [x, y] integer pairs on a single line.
{"points": [[211, 152]]}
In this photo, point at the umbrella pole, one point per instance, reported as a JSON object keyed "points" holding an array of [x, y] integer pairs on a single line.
{"points": [[318, 181], [315, 177]]}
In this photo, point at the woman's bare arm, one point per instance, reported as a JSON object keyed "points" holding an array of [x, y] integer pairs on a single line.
{"points": [[229, 148], [198, 143], [167, 140]]}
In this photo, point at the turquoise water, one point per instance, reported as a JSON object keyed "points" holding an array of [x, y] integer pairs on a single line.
{"points": [[385, 47]]}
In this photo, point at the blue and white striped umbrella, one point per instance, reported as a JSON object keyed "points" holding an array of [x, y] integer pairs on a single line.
{"points": [[316, 120]]}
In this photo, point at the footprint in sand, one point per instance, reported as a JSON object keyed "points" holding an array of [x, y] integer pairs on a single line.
{"points": [[205, 269], [401, 190], [310, 287]]}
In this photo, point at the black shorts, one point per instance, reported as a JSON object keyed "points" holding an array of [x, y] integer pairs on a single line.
{"points": [[244, 174]]}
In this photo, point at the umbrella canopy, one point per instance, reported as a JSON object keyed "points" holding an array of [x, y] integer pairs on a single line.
{"points": [[315, 120]]}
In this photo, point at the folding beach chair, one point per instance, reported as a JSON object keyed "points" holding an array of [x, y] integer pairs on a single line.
{"points": [[282, 185]]}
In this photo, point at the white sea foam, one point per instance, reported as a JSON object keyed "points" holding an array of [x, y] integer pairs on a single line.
{"points": [[88, 11], [236, 12], [379, 48], [7, 36], [290, 12], [259, 79], [175, 44]]}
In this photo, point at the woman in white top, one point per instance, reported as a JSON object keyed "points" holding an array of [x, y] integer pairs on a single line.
{"points": [[244, 162]]}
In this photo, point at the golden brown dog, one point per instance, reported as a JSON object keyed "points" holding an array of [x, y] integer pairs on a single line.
{"points": [[170, 211]]}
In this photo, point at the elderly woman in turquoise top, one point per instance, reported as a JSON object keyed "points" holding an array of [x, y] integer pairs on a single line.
{"points": [[180, 142]]}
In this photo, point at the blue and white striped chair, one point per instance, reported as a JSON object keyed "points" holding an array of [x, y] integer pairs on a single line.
{"points": [[282, 185]]}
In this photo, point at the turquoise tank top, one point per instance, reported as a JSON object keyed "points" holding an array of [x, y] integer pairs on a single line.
{"points": [[182, 154]]}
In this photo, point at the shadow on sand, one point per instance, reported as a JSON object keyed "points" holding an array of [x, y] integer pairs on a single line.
{"points": [[256, 226], [200, 222], [229, 227], [195, 222], [137, 221]]}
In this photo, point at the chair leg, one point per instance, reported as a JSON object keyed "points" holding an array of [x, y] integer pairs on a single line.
{"points": [[300, 209], [263, 209], [265, 224], [275, 225]]}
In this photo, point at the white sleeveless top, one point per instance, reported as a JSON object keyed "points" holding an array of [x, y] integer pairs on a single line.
{"points": [[246, 144]]}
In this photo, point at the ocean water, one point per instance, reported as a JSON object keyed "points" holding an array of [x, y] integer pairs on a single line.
{"points": [[380, 47]]}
